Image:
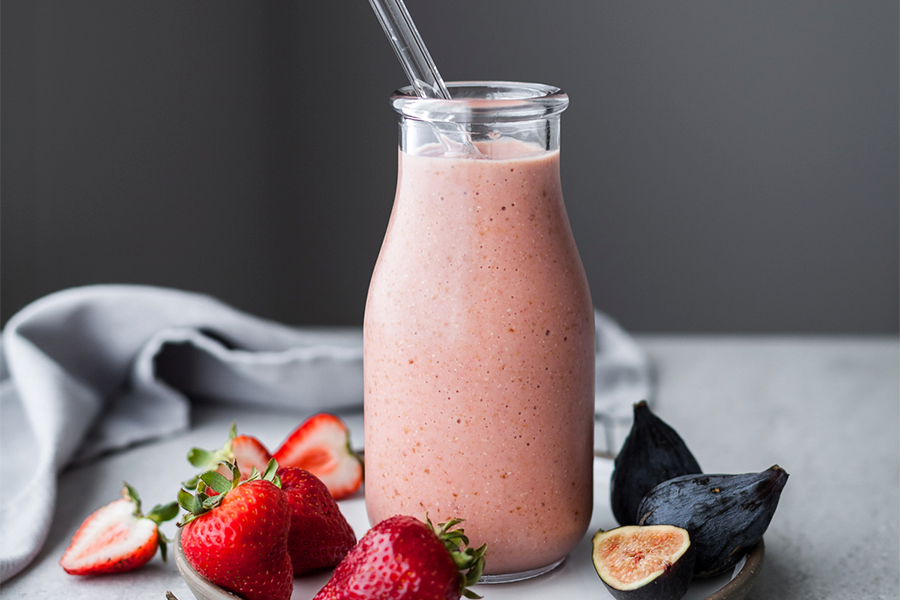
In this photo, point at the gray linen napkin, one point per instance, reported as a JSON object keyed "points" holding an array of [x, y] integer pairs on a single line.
{"points": [[98, 368]]}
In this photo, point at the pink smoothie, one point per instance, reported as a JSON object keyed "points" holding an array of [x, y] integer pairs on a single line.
{"points": [[479, 357]]}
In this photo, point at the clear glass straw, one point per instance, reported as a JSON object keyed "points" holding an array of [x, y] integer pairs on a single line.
{"points": [[417, 63], [419, 67]]}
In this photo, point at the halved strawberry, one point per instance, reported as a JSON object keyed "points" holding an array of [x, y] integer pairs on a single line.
{"points": [[246, 450], [321, 445], [118, 537]]}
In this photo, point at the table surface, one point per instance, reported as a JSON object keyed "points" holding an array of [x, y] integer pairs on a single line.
{"points": [[826, 409]]}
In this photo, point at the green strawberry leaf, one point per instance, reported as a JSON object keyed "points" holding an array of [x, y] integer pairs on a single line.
{"points": [[470, 561], [202, 502], [211, 502], [206, 459], [163, 512], [235, 473], [271, 469], [129, 493], [199, 457], [192, 506], [163, 542], [185, 499], [476, 566], [191, 484], [216, 481]]}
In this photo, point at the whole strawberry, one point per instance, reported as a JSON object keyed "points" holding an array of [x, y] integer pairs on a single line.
{"points": [[402, 558], [237, 538], [117, 537], [320, 535]]}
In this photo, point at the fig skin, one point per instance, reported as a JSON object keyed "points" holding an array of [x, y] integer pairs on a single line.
{"points": [[669, 583], [725, 515], [652, 453]]}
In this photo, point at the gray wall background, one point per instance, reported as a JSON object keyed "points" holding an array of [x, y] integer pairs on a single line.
{"points": [[727, 166]]}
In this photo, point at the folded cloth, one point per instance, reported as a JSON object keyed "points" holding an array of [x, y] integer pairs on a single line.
{"points": [[98, 368]]}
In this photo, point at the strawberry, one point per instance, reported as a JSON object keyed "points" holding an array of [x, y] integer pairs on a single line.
{"points": [[320, 535], [246, 450], [249, 452], [237, 538], [321, 445], [402, 558], [118, 537]]}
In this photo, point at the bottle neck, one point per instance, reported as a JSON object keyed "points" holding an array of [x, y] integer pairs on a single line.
{"points": [[491, 139], [480, 119]]}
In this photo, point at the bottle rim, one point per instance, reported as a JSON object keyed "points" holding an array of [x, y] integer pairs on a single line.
{"points": [[483, 102]]}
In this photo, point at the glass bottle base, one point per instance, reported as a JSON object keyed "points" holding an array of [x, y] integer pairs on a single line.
{"points": [[510, 577]]}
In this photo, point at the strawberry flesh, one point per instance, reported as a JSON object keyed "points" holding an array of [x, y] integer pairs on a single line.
{"points": [[111, 540], [249, 452], [321, 445]]}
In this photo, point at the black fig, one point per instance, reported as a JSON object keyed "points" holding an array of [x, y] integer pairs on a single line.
{"points": [[652, 453], [724, 514], [644, 563]]}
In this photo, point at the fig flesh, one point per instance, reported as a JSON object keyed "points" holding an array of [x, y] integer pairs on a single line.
{"points": [[724, 514], [652, 453], [644, 563]]}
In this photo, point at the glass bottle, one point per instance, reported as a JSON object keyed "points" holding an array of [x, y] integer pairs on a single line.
{"points": [[478, 331]]}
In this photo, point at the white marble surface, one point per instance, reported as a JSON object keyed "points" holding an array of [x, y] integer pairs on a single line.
{"points": [[826, 409]]}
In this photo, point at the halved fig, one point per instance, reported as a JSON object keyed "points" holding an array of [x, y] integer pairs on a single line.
{"points": [[653, 562]]}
